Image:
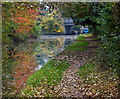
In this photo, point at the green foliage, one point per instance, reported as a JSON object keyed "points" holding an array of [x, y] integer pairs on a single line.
{"points": [[49, 74], [108, 32], [52, 23], [73, 9], [37, 29], [104, 21], [76, 28], [78, 45], [7, 66], [109, 53]]}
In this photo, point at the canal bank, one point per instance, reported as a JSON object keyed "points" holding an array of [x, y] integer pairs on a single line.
{"points": [[51, 74], [28, 57], [73, 73]]}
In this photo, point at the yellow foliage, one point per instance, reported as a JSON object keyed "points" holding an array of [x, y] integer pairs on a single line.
{"points": [[58, 30], [46, 27]]}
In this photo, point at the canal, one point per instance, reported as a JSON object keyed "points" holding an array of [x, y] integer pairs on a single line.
{"points": [[50, 45], [30, 57]]}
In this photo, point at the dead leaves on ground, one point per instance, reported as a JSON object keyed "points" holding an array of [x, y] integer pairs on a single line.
{"points": [[101, 84]]}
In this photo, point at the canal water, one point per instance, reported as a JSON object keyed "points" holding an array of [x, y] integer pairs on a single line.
{"points": [[49, 46]]}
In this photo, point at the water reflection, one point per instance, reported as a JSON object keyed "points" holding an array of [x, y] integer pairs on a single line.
{"points": [[17, 67], [47, 49]]}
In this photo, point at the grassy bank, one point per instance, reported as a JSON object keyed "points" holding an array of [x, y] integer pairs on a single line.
{"points": [[78, 45], [85, 35], [49, 75], [41, 83]]}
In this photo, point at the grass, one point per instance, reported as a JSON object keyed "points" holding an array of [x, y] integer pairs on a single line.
{"points": [[86, 70], [85, 35], [78, 45], [45, 79], [50, 74], [80, 38]]}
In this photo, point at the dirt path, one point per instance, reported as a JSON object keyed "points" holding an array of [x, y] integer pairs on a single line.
{"points": [[71, 84]]}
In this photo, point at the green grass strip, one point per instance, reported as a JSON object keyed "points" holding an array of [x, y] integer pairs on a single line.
{"points": [[85, 35], [78, 45], [49, 74]]}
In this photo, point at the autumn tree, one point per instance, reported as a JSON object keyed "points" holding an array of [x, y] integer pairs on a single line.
{"points": [[18, 21]]}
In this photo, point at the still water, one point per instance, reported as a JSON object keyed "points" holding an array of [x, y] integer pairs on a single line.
{"points": [[49, 46]]}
